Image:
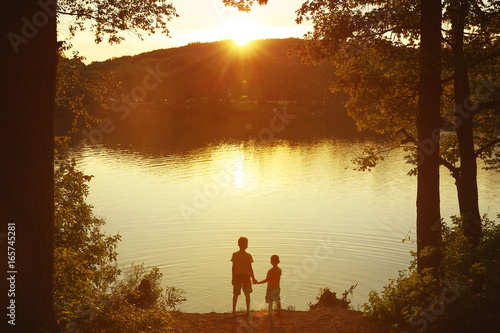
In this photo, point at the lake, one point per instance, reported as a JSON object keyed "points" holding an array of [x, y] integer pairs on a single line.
{"points": [[184, 210]]}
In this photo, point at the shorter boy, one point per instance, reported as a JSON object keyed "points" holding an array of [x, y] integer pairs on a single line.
{"points": [[273, 285]]}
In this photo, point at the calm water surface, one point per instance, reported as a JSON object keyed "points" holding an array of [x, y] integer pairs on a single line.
{"points": [[331, 226]]}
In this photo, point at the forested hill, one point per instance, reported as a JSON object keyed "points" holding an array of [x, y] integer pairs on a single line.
{"points": [[259, 71], [221, 89]]}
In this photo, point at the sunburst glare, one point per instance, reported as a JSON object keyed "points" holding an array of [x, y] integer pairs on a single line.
{"points": [[241, 29]]}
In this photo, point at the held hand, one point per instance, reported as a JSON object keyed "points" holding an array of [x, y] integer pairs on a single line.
{"points": [[255, 281]]}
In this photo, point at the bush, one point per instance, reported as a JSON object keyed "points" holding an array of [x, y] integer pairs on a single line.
{"points": [[87, 293], [136, 274], [328, 299], [114, 312], [466, 296], [85, 258]]}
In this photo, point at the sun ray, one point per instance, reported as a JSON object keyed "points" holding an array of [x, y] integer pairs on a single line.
{"points": [[241, 29]]}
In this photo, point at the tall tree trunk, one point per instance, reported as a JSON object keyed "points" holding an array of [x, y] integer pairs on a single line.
{"points": [[429, 124], [28, 30], [468, 199]]}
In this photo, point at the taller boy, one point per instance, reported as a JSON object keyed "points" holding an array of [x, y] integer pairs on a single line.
{"points": [[241, 273]]}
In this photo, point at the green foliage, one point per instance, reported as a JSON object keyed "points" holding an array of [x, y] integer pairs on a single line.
{"points": [[82, 95], [373, 46], [403, 296], [112, 313], [88, 295], [111, 18], [243, 5], [85, 257], [466, 296], [165, 300], [382, 91], [327, 298]]}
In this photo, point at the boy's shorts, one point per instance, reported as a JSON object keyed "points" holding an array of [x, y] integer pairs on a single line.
{"points": [[242, 281], [272, 295]]}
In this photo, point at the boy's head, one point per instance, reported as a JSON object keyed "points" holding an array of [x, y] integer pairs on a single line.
{"points": [[243, 243], [275, 260]]}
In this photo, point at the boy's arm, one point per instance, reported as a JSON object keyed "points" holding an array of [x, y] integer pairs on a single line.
{"points": [[254, 280], [232, 274], [263, 281], [268, 278]]}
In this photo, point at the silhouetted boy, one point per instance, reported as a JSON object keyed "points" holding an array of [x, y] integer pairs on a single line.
{"points": [[241, 273], [273, 285]]}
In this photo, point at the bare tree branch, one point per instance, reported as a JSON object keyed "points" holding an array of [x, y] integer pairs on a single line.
{"points": [[489, 145], [455, 172], [487, 106]]}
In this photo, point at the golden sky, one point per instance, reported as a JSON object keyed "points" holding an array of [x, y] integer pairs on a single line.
{"points": [[200, 21]]}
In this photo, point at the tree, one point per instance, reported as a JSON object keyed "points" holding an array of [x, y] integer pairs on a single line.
{"points": [[429, 124], [471, 48], [466, 179], [473, 41], [110, 18], [27, 140], [243, 5], [374, 48], [354, 31], [384, 86], [350, 29], [81, 95], [28, 30]]}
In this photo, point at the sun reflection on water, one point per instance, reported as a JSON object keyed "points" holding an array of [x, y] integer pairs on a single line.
{"points": [[287, 198]]}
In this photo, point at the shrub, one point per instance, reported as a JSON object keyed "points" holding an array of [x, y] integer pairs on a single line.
{"points": [[174, 297], [466, 296], [328, 299], [85, 258], [113, 312], [133, 277], [87, 293]]}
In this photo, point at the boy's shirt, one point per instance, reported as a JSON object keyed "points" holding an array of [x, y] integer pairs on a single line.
{"points": [[273, 278], [241, 261]]}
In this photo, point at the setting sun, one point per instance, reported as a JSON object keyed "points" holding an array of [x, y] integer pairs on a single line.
{"points": [[241, 40], [241, 29]]}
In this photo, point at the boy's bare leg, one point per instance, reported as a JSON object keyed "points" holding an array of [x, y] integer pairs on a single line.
{"points": [[278, 304], [247, 299], [235, 300]]}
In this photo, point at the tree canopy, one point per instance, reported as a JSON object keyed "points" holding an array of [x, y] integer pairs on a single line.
{"points": [[377, 51], [28, 98], [112, 18], [80, 95]]}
